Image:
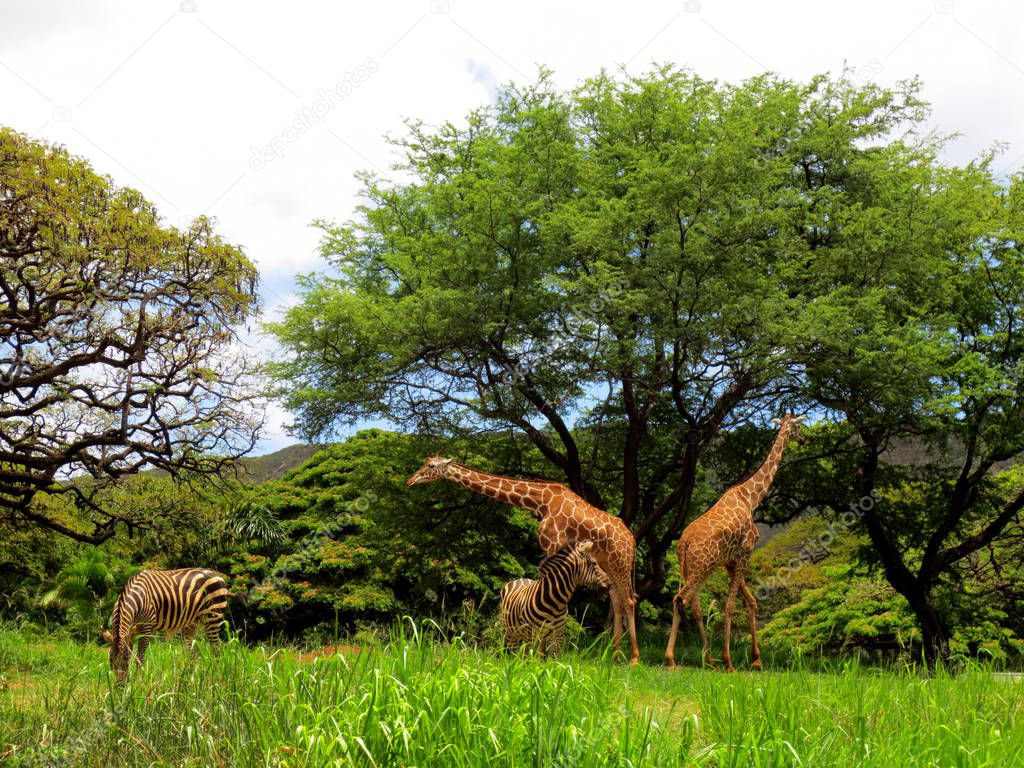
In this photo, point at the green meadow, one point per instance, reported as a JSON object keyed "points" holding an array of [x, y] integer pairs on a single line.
{"points": [[418, 700]]}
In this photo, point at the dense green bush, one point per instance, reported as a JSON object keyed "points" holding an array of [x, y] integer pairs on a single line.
{"points": [[849, 611], [362, 548], [817, 596]]}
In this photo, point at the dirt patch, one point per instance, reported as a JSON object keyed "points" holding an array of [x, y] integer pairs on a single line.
{"points": [[330, 650]]}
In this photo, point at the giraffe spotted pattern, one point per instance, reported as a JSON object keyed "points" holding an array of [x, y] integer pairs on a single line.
{"points": [[725, 536], [565, 518]]}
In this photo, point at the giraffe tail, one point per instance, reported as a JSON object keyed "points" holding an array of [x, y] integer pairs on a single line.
{"points": [[631, 599], [684, 548]]}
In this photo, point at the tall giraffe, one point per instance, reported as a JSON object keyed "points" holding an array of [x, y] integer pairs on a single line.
{"points": [[564, 518], [725, 535]]}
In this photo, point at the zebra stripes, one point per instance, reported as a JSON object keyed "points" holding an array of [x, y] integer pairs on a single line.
{"points": [[535, 610], [184, 600]]}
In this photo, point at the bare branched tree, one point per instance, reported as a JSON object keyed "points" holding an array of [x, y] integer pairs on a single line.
{"points": [[118, 349]]}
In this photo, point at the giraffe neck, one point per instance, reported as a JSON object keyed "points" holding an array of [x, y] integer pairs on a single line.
{"points": [[518, 493], [761, 481]]}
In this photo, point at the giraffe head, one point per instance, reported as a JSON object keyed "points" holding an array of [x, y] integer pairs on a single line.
{"points": [[433, 468], [792, 426]]}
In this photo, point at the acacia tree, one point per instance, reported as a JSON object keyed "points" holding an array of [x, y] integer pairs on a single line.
{"points": [[629, 256], [924, 353], [117, 345]]}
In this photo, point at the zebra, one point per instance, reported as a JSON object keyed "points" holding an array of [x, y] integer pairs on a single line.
{"points": [[164, 601], [535, 610]]}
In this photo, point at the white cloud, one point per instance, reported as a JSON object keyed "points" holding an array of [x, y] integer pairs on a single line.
{"points": [[276, 434], [28, 24]]}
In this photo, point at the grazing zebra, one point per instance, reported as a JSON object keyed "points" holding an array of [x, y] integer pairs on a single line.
{"points": [[535, 610], [164, 601]]}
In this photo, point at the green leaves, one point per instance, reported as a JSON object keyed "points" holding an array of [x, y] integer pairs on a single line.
{"points": [[250, 521], [360, 548]]}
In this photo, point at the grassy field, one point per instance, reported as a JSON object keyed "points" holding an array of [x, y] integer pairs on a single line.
{"points": [[419, 702]]}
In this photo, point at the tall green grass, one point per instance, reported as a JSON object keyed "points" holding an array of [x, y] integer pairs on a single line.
{"points": [[418, 701]]}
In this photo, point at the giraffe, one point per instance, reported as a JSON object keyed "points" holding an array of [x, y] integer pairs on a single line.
{"points": [[564, 518], [725, 535]]}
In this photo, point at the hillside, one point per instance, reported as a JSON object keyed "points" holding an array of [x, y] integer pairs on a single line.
{"points": [[273, 466]]}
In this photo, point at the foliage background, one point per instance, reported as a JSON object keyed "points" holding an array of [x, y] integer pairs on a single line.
{"points": [[358, 551]]}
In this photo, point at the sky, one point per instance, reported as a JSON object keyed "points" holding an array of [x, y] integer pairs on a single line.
{"points": [[260, 113]]}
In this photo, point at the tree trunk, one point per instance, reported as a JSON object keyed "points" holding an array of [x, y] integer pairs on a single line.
{"points": [[935, 634], [916, 589]]}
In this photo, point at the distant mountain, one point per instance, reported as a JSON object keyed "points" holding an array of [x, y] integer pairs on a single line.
{"points": [[274, 466]]}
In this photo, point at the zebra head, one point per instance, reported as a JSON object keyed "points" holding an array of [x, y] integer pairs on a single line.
{"points": [[120, 651], [433, 468], [578, 564], [118, 655], [591, 574]]}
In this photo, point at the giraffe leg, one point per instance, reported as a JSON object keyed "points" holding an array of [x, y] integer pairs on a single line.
{"points": [[630, 615], [624, 618], [748, 598], [730, 605], [692, 598], [693, 572], [617, 620], [677, 609]]}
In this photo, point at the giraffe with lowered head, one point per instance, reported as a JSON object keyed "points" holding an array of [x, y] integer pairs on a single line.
{"points": [[725, 535], [565, 518]]}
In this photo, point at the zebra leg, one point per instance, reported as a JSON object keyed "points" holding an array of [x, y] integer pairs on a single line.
{"points": [[212, 631], [140, 650], [556, 639], [187, 633]]}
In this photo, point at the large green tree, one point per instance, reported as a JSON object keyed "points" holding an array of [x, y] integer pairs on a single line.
{"points": [[919, 352], [628, 254], [624, 271], [117, 339]]}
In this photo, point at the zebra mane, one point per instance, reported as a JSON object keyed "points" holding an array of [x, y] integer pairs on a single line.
{"points": [[563, 554], [117, 617], [115, 624]]}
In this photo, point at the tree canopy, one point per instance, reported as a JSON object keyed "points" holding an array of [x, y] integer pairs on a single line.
{"points": [[623, 271], [117, 339], [927, 353]]}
